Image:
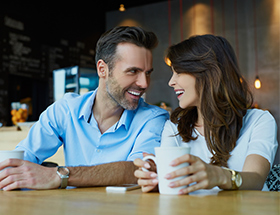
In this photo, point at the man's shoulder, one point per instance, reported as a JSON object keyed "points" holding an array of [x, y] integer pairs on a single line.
{"points": [[73, 103], [74, 96], [74, 99]]}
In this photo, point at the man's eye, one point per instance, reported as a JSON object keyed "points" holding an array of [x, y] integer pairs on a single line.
{"points": [[148, 73], [133, 71]]}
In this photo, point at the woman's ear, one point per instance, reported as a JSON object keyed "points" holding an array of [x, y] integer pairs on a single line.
{"points": [[102, 68]]}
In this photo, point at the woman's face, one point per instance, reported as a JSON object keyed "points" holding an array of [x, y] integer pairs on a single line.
{"points": [[184, 87]]}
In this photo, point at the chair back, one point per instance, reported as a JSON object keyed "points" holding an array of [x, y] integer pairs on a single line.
{"points": [[273, 178]]}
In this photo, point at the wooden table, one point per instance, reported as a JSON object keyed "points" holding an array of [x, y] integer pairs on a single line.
{"points": [[82, 201]]}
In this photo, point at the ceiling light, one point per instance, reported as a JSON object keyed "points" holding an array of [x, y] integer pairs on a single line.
{"points": [[257, 83], [122, 9]]}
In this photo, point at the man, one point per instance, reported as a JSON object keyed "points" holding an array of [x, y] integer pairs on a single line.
{"points": [[103, 131]]}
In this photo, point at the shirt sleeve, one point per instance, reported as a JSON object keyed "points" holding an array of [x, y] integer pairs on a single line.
{"points": [[44, 137], [149, 137], [264, 137], [169, 137]]}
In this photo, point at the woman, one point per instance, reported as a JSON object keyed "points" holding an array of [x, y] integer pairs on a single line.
{"points": [[232, 146]]}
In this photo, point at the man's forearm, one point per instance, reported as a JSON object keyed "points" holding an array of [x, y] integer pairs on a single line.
{"points": [[101, 175]]}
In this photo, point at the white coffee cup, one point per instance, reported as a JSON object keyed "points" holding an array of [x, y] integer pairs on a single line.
{"points": [[163, 158], [4, 155]]}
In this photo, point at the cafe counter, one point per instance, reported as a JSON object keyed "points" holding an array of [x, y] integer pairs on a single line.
{"points": [[98, 201]]}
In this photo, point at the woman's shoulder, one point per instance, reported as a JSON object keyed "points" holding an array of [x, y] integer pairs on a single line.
{"points": [[169, 128], [169, 135], [170, 125], [256, 114], [258, 118]]}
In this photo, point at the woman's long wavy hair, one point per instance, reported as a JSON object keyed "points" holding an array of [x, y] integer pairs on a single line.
{"points": [[224, 95]]}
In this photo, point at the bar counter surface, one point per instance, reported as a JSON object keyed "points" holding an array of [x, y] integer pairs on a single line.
{"points": [[97, 201]]}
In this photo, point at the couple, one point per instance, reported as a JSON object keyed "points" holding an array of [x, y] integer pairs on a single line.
{"points": [[106, 132]]}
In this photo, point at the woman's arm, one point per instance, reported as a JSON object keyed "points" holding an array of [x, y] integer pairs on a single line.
{"points": [[254, 172]]}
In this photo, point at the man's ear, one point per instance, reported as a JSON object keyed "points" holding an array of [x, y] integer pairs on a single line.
{"points": [[102, 68]]}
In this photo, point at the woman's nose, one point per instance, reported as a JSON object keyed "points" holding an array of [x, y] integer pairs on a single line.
{"points": [[171, 82]]}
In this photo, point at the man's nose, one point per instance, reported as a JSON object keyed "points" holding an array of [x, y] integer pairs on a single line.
{"points": [[142, 80]]}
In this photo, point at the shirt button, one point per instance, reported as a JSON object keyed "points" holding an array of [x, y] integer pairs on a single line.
{"points": [[98, 150]]}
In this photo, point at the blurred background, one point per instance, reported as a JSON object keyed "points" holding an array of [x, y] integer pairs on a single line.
{"points": [[47, 49]]}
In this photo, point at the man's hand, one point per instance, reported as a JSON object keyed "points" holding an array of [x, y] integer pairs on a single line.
{"points": [[25, 174]]}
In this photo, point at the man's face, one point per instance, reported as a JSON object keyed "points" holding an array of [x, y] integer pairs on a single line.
{"points": [[130, 76]]}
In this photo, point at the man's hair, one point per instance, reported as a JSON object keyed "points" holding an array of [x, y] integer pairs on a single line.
{"points": [[107, 44]]}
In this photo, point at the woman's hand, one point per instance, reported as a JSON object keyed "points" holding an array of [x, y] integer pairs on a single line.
{"points": [[205, 175], [147, 180]]}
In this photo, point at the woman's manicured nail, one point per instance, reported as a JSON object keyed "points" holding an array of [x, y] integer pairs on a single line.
{"points": [[147, 166], [171, 184], [153, 175], [181, 192], [155, 181], [172, 163], [167, 176]]}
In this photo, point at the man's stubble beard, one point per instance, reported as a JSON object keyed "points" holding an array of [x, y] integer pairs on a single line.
{"points": [[117, 95]]}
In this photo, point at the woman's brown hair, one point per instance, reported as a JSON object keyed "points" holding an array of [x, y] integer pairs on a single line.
{"points": [[223, 93]]}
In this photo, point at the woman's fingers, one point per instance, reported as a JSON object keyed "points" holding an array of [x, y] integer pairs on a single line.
{"points": [[143, 164], [180, 172], [146, 179], [188, 170], [187, 158], [139, 162], [198, 177], [148, 185], [147, 189], [147, 182], [195, 187], [144, 175]]}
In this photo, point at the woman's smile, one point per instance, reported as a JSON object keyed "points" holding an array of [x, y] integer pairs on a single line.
{"points": [[179, 93]]}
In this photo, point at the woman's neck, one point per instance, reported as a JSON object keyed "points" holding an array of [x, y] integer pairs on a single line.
{"points": [[199, 124]]}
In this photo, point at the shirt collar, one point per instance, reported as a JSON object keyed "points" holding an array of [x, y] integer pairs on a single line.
{"points": [[86, 109], [125, 119]]}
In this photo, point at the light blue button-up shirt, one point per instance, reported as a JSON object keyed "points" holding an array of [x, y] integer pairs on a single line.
{"points": [[66, 123]]}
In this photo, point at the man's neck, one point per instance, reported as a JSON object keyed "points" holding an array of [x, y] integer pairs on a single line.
{"points": [[105, 112]]}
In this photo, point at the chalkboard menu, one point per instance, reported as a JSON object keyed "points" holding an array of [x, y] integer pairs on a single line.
{"points": [[19, 55], [4, 104], [22, 56], [67, 54]]}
